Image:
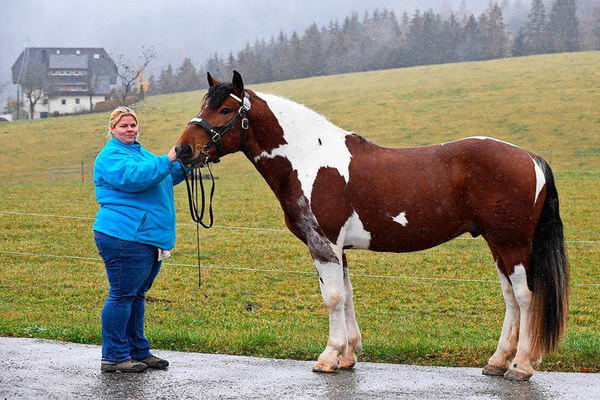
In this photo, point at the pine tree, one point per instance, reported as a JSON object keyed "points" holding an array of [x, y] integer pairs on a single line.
{"points": [[414, 37], [166, 81], [520, 48], [496, 43], [596, 27], [563, 27], [186, 78], [151, 86], [536, 39], [471, 45], [312, 47]]}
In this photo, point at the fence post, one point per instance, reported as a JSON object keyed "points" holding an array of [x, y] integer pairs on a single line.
{"points": [[51, 175], [82, 172]]}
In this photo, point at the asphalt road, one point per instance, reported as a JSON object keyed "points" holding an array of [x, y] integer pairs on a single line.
{"points": [[45, 369]]}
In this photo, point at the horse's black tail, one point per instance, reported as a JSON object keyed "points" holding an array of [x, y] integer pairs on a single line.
{"points": [[550, 273]]}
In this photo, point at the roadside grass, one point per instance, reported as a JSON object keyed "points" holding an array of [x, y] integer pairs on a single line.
{"points": [[260, 295]]}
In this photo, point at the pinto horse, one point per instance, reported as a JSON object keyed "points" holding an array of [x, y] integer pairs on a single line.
{"points": [[339, 191]]}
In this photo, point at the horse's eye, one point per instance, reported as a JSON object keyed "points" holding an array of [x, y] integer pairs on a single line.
{"points": [[225, 111]]}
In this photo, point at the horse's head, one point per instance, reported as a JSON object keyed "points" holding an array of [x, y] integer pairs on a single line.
{"points": [[220, 126]]}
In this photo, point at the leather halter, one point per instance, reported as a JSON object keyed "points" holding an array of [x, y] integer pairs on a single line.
{"points": [[216, 133]]}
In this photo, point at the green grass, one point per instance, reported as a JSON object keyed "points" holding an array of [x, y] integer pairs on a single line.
{"points": [[273, 307]]}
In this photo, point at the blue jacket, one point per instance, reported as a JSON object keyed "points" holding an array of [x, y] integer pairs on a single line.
{"points": [[135, 191]]}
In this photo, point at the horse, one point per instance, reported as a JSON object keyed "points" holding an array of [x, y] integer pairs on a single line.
{"points": [[340, 191]]}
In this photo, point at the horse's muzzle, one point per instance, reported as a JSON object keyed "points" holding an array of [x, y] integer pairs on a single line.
{"points": [[184, 152]]}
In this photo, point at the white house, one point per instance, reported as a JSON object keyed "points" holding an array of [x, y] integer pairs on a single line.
{"points": [[69, 80]]}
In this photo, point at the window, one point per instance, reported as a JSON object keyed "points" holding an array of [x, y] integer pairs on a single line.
{"points": [[45, 102], [77, 52], [76, 101], [57, 51], [63, 101], [96, 56]]}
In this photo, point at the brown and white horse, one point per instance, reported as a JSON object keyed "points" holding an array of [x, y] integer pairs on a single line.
{"points": [[339, 191]]}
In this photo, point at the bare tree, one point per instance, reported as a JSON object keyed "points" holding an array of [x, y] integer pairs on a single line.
{"points": [[32, 89], [130, 72]]}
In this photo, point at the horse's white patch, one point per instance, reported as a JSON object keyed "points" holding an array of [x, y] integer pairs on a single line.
{"points": [[510, 326], [481, 138], [353, 234], [540, 179], [312, 142], [401, 219], [524, 297], [519, 282], [333, 291]]}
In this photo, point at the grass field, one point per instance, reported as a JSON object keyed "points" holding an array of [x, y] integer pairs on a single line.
{"points": [[260, 295]]}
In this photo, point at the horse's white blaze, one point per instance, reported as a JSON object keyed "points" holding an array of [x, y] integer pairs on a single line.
{"points": [[481, 138], [401, 219], [353, 234], [540, 179], [312, 142]]}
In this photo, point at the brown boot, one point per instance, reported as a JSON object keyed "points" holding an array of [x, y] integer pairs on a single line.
{"points": [[124, 366], [155, 362]]}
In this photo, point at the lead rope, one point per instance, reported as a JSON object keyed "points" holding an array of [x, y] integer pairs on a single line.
{"points": [[195, 176]]}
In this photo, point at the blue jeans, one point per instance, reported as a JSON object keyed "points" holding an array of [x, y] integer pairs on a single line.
{"points": [[131, 268]]}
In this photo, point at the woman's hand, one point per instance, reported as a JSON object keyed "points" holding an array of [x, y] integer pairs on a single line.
{"points": [[172, 154]]}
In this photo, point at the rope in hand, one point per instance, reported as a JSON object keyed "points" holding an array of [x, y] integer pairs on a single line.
{"points": [[192, 182]]}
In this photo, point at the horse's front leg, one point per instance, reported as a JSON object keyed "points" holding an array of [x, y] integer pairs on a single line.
{"points": [[348, 358], [331, 280]]}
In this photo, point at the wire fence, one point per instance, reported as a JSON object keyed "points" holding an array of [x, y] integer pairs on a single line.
{"points": [[283, 271], [81, 171], [17, 253], [592, 241]]}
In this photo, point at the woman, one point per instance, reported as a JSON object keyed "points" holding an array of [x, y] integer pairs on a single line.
{"points": [[134, 229]]}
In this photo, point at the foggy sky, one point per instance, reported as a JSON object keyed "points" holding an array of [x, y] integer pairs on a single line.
{"points": [[176, 29]]}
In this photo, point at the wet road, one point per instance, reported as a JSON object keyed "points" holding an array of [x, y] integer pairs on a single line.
{"points": [[44, 369]]}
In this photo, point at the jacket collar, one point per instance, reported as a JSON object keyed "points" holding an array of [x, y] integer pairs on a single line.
{"points": [[134, 146]]}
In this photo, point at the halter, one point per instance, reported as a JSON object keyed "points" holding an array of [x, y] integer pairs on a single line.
{"points": [[216, 133]]}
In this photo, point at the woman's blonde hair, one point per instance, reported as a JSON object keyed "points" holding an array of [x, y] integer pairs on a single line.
{"points": [[117, 114]]}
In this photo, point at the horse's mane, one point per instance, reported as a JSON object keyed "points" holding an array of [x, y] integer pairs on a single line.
{"points": [[217, 94]]}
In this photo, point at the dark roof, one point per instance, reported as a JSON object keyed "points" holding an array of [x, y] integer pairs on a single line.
{"points": [[33, 64]]}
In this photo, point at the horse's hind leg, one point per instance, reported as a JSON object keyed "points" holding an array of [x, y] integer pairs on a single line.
{"points": [[520, 366], [331, 278], [348, 357], [514, 267], [499, 362]]}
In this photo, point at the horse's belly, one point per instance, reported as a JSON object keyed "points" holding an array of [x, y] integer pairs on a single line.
{"points": [[413, 234]]}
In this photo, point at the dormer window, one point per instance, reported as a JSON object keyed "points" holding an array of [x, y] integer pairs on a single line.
{"points": [[77, 52], [96, 56], [57, 51]]}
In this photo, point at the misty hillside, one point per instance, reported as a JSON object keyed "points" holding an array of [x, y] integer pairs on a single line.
{"points": [[545, 103]]}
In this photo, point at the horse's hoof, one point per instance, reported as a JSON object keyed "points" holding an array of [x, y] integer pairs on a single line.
{"points": [[493, 370], [514, 374], [326, 368], [347, 363]]}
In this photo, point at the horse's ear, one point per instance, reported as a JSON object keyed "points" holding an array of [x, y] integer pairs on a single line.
{"points": [[211, 81], [237, 83]]}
